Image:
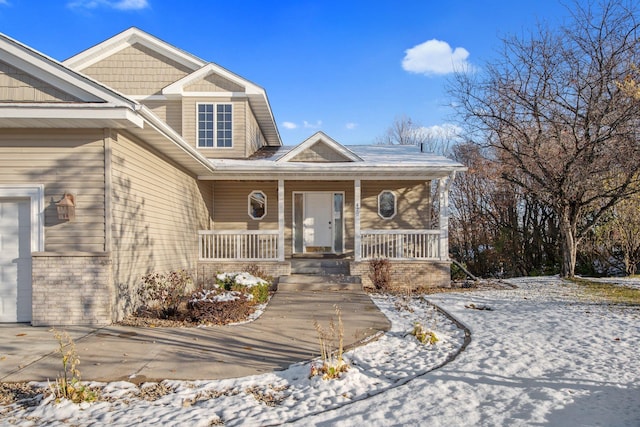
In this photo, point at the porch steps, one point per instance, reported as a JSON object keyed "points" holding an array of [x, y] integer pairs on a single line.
{"points": [[319, 274], [309, 282], [320, 266]]}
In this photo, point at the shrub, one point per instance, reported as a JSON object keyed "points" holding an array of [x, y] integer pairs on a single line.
{"points": [[457, 273], [380, 274], [424, 335], [260, 293], [256, 271], [225, 281], [166, 290], [245, 283]]}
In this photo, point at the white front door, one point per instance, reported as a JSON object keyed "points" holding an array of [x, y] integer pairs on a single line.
{"points": [[318, 217], [15, 260]]}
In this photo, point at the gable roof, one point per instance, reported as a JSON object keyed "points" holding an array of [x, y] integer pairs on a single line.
{"points": [[94, 105], [256, 95], [317, 138], [371, 162], [128, 38]]}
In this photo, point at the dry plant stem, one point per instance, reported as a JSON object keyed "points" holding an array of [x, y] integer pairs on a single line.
{"points": [[332, 362], [68, 385], [70, 361]]}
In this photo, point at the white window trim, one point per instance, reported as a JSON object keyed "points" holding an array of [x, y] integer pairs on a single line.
{"points": [[35, 193], [249, 210], [215, 126], [395, 204]]}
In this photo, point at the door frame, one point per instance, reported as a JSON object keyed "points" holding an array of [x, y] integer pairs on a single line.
{"points": [[334, 249], [35, 196], [35, 192]]}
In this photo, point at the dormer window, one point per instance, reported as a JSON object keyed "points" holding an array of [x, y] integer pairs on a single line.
{"points": [[215, 126]]}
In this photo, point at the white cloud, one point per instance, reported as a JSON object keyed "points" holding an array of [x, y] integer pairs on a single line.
{"points": [[435, 57], [351, 126], [131, 4], [111, 4], [437, 138], [446, 130], [289, 125], [315, 125], [4, 3]]}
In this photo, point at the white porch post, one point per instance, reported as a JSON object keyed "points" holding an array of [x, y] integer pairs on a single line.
{"points": [[443, 222], [281, 220], [444, 185], [356, 219]]}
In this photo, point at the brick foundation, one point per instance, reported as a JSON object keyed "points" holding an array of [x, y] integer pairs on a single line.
{"points": [[71, 289], [410, 275]]}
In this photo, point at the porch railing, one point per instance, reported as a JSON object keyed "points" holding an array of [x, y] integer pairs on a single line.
{"points": [[238, 245], [400, 244]]}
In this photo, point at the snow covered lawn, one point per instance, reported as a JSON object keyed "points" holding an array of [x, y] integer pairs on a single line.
{"points": [[542, 354]]}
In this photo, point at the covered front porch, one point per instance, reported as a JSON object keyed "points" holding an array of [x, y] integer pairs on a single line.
{"points": [[322, 199], [319, 219], [333, 236]]}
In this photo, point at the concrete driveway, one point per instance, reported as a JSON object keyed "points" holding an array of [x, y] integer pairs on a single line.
{"points": [[283, 335]]}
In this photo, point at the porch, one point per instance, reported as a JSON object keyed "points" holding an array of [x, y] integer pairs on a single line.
{"points": [[418, 255]]}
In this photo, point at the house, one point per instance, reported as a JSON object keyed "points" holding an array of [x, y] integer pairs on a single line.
{"points": [[135, 156]]}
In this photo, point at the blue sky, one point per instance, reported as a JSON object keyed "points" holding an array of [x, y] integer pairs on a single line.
{"points": [[348, 68]]}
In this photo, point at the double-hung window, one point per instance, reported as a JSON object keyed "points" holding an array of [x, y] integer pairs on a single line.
{"points": [[215, 126]]}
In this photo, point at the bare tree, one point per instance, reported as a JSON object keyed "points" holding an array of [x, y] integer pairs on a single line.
{"points": [[406, 131], [619, 235], [495, 228], [551, 112]]}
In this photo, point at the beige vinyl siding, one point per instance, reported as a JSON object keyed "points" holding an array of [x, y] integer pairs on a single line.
{"points": [[169, 111], [325, 186], [413, 205], [255, 138], [66, 160], [231, 209], [157, 209], [319, 153], [137, 70], [214, 83], [18, 86], [190, 126]]}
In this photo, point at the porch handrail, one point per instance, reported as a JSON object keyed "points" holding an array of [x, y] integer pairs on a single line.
{"points": [[238, 245], [400, 244]]}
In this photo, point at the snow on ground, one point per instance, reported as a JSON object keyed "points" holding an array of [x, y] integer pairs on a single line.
{"points": [[629, 282], [541, 354]]}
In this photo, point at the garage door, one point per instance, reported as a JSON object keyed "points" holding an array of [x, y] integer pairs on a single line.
{"points": [[15, 261]]}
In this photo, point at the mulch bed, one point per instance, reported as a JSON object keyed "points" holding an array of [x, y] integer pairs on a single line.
{"points": [[194, 314]]}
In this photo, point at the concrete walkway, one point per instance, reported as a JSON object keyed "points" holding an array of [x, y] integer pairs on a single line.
{"points": [[283, 335]]}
